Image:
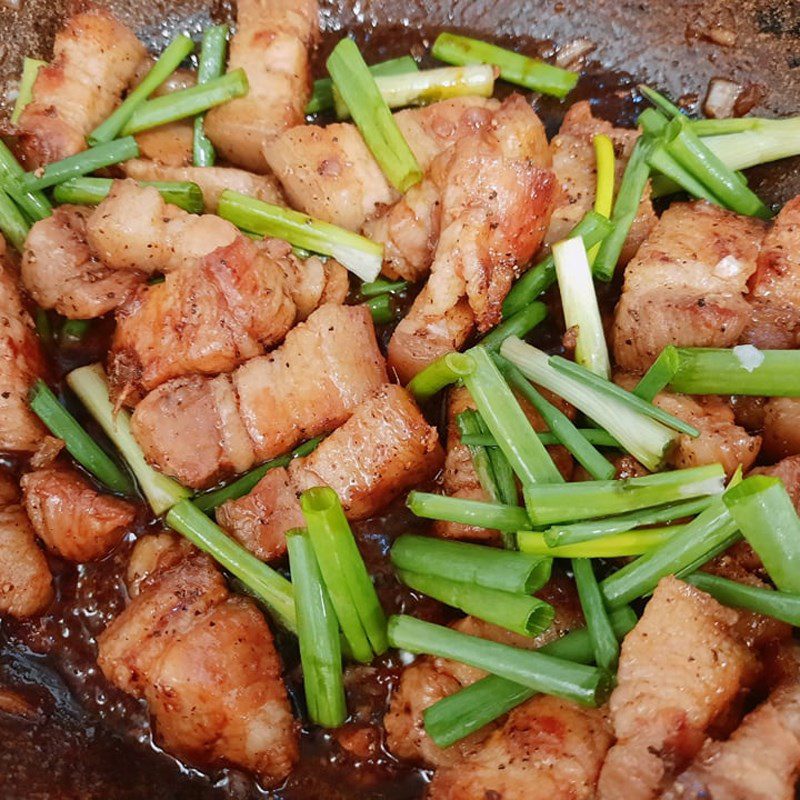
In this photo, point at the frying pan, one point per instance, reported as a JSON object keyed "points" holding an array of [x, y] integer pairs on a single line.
{"points": [[676, 46]]}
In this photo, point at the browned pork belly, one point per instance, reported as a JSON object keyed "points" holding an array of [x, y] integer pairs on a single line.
{"points": [[775, 285], [428, 680], [575, 166], [95, 58], [686, 285], [548, 749], [71, 517], [781, 427], [329, 172], [680, 668], [788, 470], [202, 429], [383, 450], [61, 271], [21, 363], [213, 181], [271, 44], [204, 661], [761, 759], [25, 580], [205, 320]]}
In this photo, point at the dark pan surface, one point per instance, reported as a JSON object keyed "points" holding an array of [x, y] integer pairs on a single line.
{"points": [[90, 742]]}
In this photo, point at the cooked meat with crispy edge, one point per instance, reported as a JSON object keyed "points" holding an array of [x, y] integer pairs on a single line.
{"points": [[202, 429], [576, 172], [21, 363], [71, 517], [95, 58], [271, 43], [25, 580], [679, 669], [383, 450], [204, 661], [686, 285]]}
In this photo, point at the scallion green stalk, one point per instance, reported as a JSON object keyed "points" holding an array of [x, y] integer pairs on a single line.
{"points": [[441, 373], [469, 422], [660, 101], [765, 515], [592, 435], [593, 228], [507, 422], [104, 155], [265, 583], [357, 606], [35, 204], [91, 386], [208, 501], [519, 324], [579, 302], [12, 224], [521, 613], [30, 69], [318, 635], [606, 177], [92, 191], [73, 331], [457, 716], [769, 140], [659, 375], [380, 307], [79, 444], [646, 439], [565, 431], [540, 672], [167, 63], [662, 161], [382, 286], [615, 545], [357, 87], [210, 65], [601, 631], [361, 256], [503, 570], [516, 68], [468, 512]]}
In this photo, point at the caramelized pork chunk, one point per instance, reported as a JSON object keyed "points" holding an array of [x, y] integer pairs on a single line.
{"points": [[309, 386], [21, 363], [760, 761], [271, 44], [686, 284], [576, 172], [775, 286], [680, 668], [25, 580], [329, 172], [205, 320], [781, 427], [383, 450], [204, 661], [61, 271], [548, 749], [94, 60], [71, 517], [212, 180]]}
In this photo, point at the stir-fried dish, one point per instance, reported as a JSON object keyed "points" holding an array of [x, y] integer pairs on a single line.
{"points": [[361, 436]]}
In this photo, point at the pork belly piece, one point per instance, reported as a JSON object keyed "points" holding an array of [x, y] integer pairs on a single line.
{"points": [[422, 336], [204, 661], [168, 146], [271, 44], [134, 229], [548, 749], [212, 180], [679, 669], [775, 285], [95, 58], [576, 171], [307, 387], [25, 581], [781, 427], [428, 680], [384, 449], [71, 517], [61, 271], [21, 363], [788, 470], [686, 284], [209, 319], [329, 172]]}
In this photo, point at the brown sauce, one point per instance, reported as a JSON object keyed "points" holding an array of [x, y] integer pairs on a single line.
{"points": [[90, 741]]}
